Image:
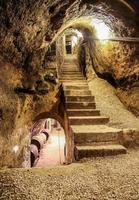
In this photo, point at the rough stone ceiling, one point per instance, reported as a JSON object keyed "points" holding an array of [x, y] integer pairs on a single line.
{"points": [[134, 4], [128, 4], [27, 27]]}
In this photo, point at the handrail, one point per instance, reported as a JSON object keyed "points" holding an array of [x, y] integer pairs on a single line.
{"points": [[119, 39]]}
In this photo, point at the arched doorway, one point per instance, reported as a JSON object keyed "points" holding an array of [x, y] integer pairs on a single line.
{"points": [[59, 114], [48, 144]]}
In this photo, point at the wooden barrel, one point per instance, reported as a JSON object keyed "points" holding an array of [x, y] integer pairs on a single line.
{"points": [[39, 140], [45, 131], [36, 143], [34, 153]]}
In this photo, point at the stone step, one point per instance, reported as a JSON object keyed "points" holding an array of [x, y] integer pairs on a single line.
{"points": [[76, 87], [80, 105], [88, 120], [75, 83], [77, 92], [83, 98], [72, 78], [96, 143], [69, 65], [101, 150], [70, 61], [71, 74], [95, 133], [70, 70], [69, 81], [83, 112]]}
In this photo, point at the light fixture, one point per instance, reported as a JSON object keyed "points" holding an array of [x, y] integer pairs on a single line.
{"points": [[15, 149], [102, 30], [78, 33], [74, 40]]}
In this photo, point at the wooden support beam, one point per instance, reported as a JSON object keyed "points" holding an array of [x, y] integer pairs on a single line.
{"points": [[120, 39]]}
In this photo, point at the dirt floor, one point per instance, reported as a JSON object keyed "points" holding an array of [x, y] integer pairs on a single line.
{"points": [[53, 151], [111, 178]]}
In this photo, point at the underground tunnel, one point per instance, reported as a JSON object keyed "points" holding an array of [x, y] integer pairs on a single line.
{"points": [[69, 92], [48, 146]]}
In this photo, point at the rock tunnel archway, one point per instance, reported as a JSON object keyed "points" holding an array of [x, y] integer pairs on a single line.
{"points": [[48, 145], [69, 136]]}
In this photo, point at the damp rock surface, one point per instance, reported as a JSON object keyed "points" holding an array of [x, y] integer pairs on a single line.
{"points": [[92, 179]]}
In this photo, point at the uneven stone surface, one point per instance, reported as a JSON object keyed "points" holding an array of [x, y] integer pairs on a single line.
{"points": [[88, 120], [83, 112], [100, 150], [18, 109], [123, 78], [95, 133], [80, 105], [106, 178]]}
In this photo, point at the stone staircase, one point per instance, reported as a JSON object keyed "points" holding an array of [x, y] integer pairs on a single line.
{"points": [[92, 135]]}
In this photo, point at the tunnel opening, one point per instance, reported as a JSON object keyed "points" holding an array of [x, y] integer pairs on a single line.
{"points": [[48, 144], [82, 34], [70, 40], [68, 45]]}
